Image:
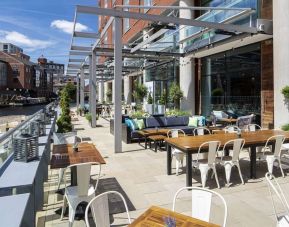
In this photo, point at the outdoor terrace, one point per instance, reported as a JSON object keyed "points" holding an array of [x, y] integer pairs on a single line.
{"points": [[140, 174]]}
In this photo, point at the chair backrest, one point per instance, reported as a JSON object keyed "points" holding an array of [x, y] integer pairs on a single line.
{"points": [[274, 188], [243, 121], [84, 176], [220, 114], [212, 147], [201, 203], [253, 127], [231, 129], [64, 138], [278, 141], [99, 207], [200, 131], [237, 144], [174, 133]]}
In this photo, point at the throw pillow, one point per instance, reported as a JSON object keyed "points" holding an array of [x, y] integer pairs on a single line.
{"points": [[193, 122], [131, 124], [201, 121], [139, 123]]}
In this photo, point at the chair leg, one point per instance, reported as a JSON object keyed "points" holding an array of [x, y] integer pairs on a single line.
{"points": [[270, 162], [240, 173], [280, 165], [204, 173], [60, 177], [63, 207], [72, 211], [177, 166], [216, 176], [228, 170]]}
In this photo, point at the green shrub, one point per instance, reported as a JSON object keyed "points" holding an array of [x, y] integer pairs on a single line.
{"points": [[175, 94], [176, 113], [150, 99], [163, 99], [217, 92], [88, 117], [140, 114], [63, 125], [285, 92], [140, 92], [285, 127]]}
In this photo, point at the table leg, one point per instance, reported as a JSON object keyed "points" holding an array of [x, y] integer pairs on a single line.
{"points": [[253, 162], [189, 169], [73, 174], [145, 142], [156, 146], [169, 159]]}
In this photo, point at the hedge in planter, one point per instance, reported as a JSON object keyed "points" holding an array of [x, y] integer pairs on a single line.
{"points": [[285, 92]]}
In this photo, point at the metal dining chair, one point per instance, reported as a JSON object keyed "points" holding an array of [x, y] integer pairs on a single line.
{"points": [[202, 202], [232, 159], [179, 155], [99, 207], [200, 131], [204, 165]]}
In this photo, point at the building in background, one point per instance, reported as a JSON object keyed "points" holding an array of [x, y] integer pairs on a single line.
{"points": [[10, 48], [230, 71]]}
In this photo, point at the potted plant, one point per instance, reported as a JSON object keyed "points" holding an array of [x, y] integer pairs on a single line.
{"points": [[285, 127], [109, 95], [140, 92], [175, 95], [88, 117], [149, 105], [79, 111], [162, 104]]}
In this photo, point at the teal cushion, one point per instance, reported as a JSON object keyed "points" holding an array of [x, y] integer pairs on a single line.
{"points": [[201, 121], [131, 124], [193, 122]]}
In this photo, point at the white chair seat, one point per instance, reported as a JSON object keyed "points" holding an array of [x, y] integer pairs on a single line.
{"points": [[72, 191]]}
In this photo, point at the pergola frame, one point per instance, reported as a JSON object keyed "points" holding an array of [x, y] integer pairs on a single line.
{"points": [[119, 52]]}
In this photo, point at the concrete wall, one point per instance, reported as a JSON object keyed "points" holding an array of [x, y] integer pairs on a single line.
{"points": [[281, 60]]}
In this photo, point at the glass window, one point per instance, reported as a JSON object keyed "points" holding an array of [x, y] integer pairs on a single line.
{"points": [[147, 3], [231, 81], [125, 20], [3, 74]]}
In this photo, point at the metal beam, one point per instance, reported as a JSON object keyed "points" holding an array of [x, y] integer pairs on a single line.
{"points": [[117, 85], [93, 90], [149, 40], [104, 30], [77, 91], [183, 7], [82, 48], [82, 88], [160, 18], [78, 53], [75, 60], [89, 35]]}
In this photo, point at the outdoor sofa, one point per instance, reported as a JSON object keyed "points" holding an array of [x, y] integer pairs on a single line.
{"points": [[169, 122]]}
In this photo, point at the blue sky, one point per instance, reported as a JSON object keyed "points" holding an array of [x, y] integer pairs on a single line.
{"points": [[43, 26]]}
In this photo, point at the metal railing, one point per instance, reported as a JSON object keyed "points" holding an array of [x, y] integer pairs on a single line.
{"points": [[6, 140]]}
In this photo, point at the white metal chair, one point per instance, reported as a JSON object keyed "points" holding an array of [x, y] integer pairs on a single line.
{"points": [[274, 188], [231, 129], [64, 138], [201, 203], [200, 131], [271, 156], [174, 133], [83, 192], [253, 127], [233, 159], [204, 165], [100, 209]]}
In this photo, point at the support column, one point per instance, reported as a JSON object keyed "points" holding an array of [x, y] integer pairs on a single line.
{"points": [[105, 91], [117, 85], [187, 66], [77, 91], [101, 91], [93, 90], [281, 60], [90, 82], [127, 86], [82, 87]]}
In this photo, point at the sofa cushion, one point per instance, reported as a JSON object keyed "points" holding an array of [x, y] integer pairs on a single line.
{"points": [[174, 121], [131, 124], [187, 129], [153, 122], [135, 135], [140, 123]]}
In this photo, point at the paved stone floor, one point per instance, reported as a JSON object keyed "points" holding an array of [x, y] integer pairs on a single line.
{"points": [[142, 175]]}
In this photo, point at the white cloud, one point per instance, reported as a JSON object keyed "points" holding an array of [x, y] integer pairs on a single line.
{"points": [[23, 40], [67, 26]]}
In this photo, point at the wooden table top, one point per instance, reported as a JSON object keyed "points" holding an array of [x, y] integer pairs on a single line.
{"points": [[157, 137], [227, 120], [63, 155], [151, 132], [192, 143], [154, 217]]}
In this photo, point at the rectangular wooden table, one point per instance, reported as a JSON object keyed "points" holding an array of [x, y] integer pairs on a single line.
{"points": [[152, 132], [190, 145], [63, 155], [154, 217]]}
